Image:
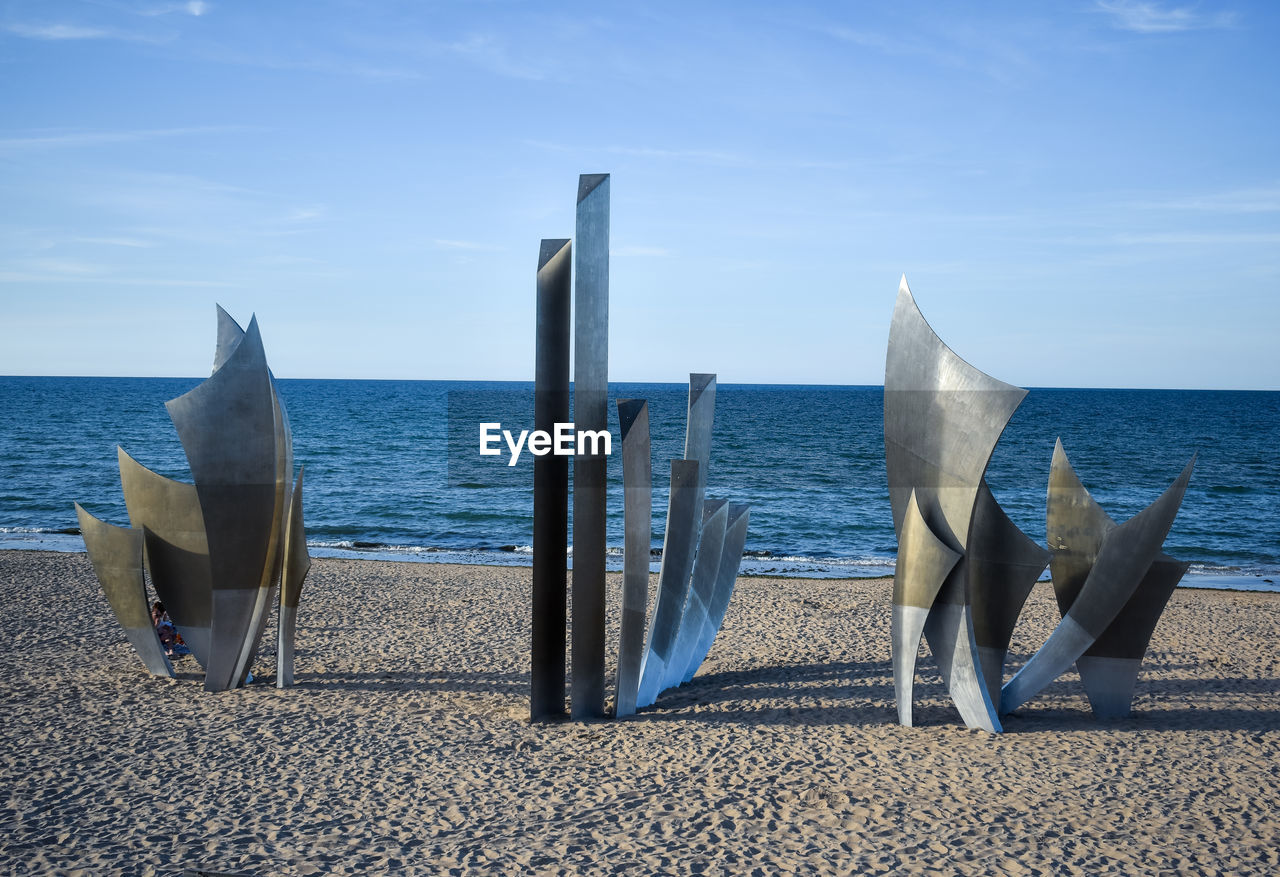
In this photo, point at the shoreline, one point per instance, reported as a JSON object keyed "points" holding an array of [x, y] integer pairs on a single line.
{"points": [[405, 747], [754, 566]]}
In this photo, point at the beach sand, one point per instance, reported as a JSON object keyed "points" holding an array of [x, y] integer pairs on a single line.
{"points": [[405, 746]]}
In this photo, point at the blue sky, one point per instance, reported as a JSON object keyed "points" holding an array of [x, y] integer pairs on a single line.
{"points": [[1080, 193]]}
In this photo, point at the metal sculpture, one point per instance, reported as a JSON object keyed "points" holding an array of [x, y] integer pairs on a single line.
{"points": [[637, 527], [942, 418], [550, 483], [965, 569], [116, 554], [1099, 569], [701, 555], [217, 550], [590, 402]]}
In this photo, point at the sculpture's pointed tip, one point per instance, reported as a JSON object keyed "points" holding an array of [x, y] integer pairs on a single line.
{"points": [[629, 411], [903, 289], [587, 184], [698, 384], [550, 248]]}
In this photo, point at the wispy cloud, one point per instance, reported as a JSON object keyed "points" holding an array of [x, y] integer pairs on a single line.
{"points": [[95, 138], [194, 8], [80, 32], [135, 243], [1149, 17], [1179, 238]]}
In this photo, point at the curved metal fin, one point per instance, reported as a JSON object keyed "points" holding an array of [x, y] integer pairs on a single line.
{"points": [[228, 428], [684, 507], [116, 555], [1123, 559], [735, 537], [924, 562], [1003, 566], [637, 526], [297, 562], [167, 514], [229, 337], [706, 567]]}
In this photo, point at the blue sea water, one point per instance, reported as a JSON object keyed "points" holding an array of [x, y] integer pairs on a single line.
{"points": [[393, 467]]}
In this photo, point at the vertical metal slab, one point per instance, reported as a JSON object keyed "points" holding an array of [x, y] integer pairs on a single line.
{"points": [[706, 566], [590, 405], [550, 483], [735, 537], [116, 555], [637, 530], [228, 429], [229, 337], [294, 568], [1124, 558], [167, 514], [684, 506]]}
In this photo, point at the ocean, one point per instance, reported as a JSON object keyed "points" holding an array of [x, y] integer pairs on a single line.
{"points": [[393, 468]]}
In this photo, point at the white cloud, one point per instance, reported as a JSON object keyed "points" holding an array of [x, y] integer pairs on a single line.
{"points": [[60, 32], [1149, 17], [93, 138]]}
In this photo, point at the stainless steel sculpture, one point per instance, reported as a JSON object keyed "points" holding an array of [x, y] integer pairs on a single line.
{"points": [[965, 569], [116, 554], [217, 549], [1110, 590], [942, 418], [637, 528], [590, 402], [701, 554], [550, 483]]}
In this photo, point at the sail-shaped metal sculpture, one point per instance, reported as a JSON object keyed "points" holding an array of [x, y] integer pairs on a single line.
{"points": [[1111, 581], [942, 419], [217, 549], [116, 554]]}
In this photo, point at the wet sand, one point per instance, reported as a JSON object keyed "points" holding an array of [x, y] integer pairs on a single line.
{"points": [[405, 746]]}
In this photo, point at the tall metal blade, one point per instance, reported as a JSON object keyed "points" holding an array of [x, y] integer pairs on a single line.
{"points": [[590, 401], [637, 527], [706, 566], [296, 564], [550, 483], [228, 429]]}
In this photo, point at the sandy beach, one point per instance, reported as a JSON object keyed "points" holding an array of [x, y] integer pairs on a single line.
{"points": [[405, 747]]}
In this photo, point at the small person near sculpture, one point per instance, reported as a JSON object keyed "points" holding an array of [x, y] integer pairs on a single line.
{"points": [[168, 634]]}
